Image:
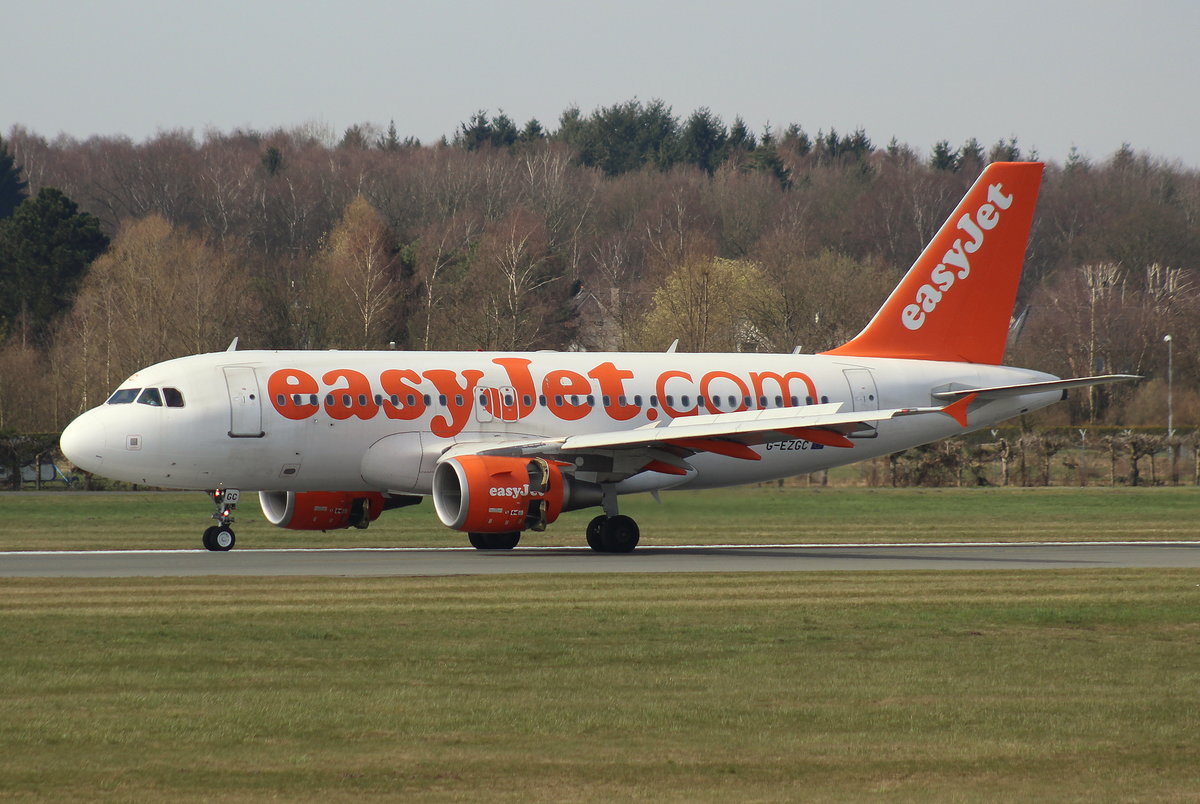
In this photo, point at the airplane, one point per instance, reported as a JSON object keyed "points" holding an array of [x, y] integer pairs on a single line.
{"points": [[505, 442]]}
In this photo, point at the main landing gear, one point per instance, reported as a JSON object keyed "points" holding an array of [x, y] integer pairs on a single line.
{"points": [[220, 536], [613, 534], [605, 534]]}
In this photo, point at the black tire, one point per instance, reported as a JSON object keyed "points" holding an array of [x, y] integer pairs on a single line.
{"points": [[593, 533], [621, 534], [617, 534], [494, 541], [209, 544]]}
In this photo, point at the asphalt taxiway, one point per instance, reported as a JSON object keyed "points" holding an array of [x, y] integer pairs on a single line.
{"points": [[694, 558]]}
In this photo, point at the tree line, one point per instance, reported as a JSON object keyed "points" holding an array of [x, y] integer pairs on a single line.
{"points": [[625, 228]]}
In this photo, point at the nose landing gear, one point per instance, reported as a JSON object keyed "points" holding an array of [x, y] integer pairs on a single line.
{"points": [[220, 536]]}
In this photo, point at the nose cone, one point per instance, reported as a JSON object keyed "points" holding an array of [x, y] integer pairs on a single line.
{"points": [[83, 442]]}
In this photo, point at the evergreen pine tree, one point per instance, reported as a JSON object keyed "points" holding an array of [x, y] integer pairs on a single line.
{"points": [[944, 157], [45, 248], [12, 186]]}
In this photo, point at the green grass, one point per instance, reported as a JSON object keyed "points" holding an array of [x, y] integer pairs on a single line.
{"points": [[767, 514], [1054, 685]]}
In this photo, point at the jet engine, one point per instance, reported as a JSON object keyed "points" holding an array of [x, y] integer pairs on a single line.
{"points": [[321, 510], [491, 494]]}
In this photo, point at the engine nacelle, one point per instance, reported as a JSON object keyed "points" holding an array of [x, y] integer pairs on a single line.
{"points": [[490, 494], [321, 510]]}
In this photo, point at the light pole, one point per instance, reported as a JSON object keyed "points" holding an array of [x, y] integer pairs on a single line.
{"points": [[1170, 410], [1172, 447]]}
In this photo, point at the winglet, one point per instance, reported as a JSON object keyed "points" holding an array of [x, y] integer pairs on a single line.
{"points": [[958, 410]]}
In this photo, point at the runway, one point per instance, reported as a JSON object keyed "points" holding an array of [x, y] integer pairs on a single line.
{"points": [[695, 558]]}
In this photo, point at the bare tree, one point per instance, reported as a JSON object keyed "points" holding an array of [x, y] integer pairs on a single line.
{"points": [[158, 293], [362, 278]]}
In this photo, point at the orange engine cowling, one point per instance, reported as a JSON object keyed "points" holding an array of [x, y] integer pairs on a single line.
{"points": [[490, 494], [321, 510]]}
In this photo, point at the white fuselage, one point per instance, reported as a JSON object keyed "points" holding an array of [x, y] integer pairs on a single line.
{"points": [[351, 421]]}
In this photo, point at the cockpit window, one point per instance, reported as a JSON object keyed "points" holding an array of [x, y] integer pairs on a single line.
{"points": [[172, 397], [150, 396], [124, 396]]}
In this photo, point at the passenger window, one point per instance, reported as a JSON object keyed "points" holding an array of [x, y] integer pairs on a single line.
{"points": [[124, 396], [172, 397], [151, 397]]}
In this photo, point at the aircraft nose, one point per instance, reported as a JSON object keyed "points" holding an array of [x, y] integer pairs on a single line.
{"points": [[83, 443]]}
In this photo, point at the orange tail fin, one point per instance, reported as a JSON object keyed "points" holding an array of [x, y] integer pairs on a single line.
{"points": [[956, 301]]}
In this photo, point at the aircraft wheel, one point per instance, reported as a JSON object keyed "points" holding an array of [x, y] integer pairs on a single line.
{"points": [[593, 533], [620, 533], [219, 538], [494, 541], [616, 534]]}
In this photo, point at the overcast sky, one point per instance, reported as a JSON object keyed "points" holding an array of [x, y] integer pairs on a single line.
{"points": [[1053, 74]]}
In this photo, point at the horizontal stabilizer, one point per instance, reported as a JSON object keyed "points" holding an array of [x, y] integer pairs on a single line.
{"points": [[1000, 391]]}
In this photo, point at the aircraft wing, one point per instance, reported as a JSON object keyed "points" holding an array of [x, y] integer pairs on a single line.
{"points": [[729, 434], [748, 427]]}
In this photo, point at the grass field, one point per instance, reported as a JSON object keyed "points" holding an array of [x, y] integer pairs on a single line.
{"points": [[115, 520], [1075, 685], [1054, 685]]}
